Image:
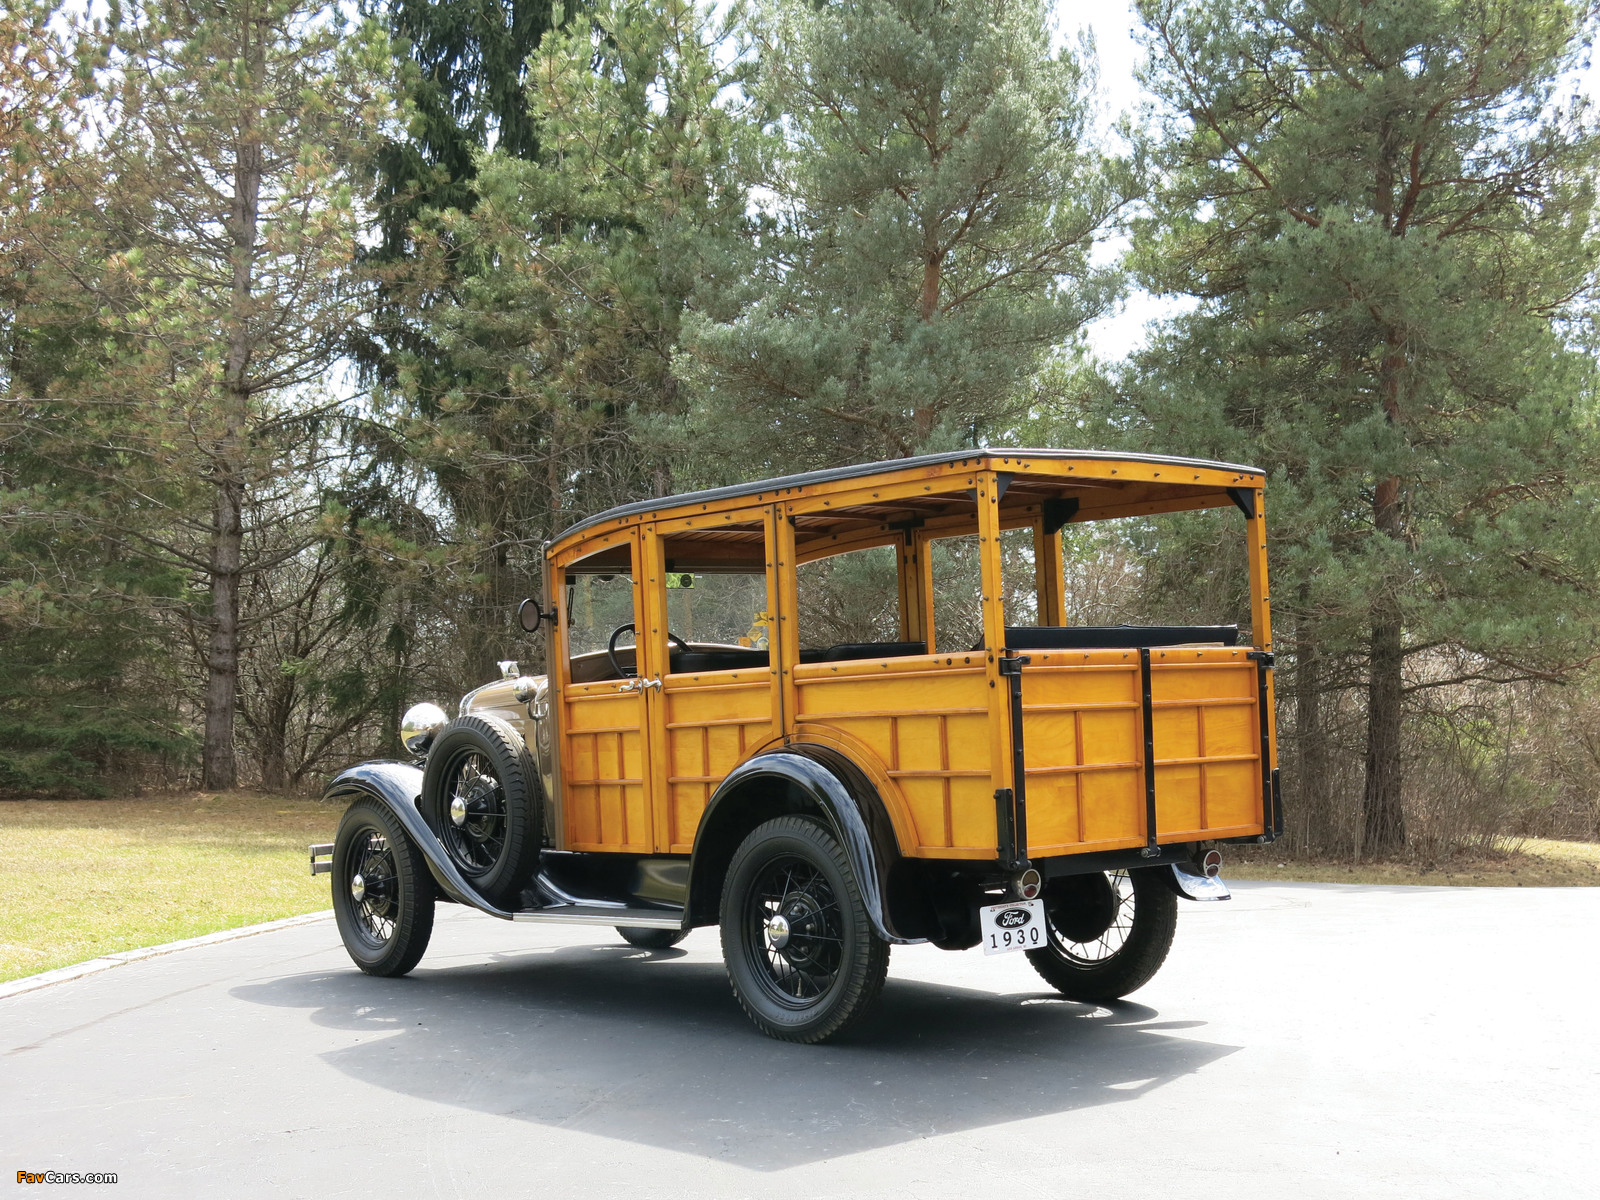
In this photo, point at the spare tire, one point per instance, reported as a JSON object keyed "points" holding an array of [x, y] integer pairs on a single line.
{"points": [[481, 796]]}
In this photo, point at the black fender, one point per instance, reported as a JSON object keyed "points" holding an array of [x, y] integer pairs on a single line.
{"points": [[801, 779], [398, 786]]}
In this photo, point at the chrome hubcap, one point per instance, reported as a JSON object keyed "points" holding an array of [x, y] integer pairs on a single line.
{"points": [[458, 811], [358, 888], [778, 930]]}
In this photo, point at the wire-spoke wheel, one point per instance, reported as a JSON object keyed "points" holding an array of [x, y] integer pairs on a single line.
{"points": [[480, 795], [475, 834], [801, 953], [382, 893], [1108, 933]]}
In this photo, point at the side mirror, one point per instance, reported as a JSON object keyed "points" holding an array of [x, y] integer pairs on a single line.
{"points": [[529, 617]]}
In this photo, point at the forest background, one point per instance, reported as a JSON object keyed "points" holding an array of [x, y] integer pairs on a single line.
{"points": [[317, 319]]}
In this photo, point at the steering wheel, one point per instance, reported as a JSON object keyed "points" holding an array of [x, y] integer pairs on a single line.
{"points": [[611, 648]]}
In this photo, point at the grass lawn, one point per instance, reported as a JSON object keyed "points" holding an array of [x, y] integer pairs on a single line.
{"points": [[89, 877], [1528, 862]]}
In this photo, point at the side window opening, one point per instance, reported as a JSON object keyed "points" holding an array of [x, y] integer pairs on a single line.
{"points": [[719, 619], [958, 588], [715, 598], [721, 609], [849, 600], [1185, 568], [597, 604], [1173, 579]]}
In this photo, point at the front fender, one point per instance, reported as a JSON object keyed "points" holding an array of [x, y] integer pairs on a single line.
{"points": [[799, 779], [398, 786]]}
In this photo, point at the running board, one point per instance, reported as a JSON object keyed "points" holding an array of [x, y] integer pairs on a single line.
{"points": [[594, 914]]}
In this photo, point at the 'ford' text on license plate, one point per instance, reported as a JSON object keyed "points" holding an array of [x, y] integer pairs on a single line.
{"points": [[1015, 926]]}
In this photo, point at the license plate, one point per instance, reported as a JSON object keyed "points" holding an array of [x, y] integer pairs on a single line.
{"points": [[1015, 926]]}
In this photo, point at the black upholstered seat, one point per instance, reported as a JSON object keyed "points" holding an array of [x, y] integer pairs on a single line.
{"points": [[1113, 637]]}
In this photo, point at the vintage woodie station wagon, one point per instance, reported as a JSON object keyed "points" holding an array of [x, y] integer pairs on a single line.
{"points": [[707, 749]]}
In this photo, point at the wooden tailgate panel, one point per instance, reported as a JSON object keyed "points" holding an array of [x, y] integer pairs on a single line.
{"points": [[1207, 743], [1084, 744], [1084, 749]]}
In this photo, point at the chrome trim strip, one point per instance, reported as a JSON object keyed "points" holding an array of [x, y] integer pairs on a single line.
{"points": [[641, 918]]}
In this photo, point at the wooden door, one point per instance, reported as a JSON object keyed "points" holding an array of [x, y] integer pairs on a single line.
{"points": [[605, 752]]}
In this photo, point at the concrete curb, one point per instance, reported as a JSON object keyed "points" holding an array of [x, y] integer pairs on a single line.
{"points": [[30, 983]]}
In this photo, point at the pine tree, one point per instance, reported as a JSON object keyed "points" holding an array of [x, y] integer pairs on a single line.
{"points": [[1386, 213], [209, 222], [934, 203], [85, 685], [466, 89], [570, 277], [465, 70]]}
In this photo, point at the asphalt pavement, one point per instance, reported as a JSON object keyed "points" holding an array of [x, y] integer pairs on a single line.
{"points": [[1302, 1041]]}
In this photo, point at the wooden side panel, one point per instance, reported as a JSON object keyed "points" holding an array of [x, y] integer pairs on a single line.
{"points": [[603, 769], [714, 722], [926, 720]]}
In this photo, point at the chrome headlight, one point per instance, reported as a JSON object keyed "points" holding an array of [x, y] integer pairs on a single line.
{"points": [[419, 725]]}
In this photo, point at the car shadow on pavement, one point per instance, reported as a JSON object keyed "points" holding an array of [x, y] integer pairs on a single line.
{"points": [[627, 1044]]}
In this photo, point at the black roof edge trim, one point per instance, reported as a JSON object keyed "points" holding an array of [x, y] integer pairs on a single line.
{"points": [[856, 470]]}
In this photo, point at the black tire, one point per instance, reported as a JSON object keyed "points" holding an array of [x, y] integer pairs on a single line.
{"points": [[829, 968], [1109, 933], [386, 919], [493, 838], [651, 939]]}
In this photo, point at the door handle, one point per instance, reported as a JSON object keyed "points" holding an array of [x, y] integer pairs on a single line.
{"points": [[650, 683]]}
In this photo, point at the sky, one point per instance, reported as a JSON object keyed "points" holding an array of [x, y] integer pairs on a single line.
{"points": [[1112, 23]]}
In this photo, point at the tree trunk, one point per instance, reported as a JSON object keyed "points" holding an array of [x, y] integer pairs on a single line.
{"points": [[1310, 750], [1382, 810], [219, 764], [1383, 818], [1383, 815], [277, 715], [219, 770]]}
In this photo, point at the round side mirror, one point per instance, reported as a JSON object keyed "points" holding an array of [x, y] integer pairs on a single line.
{"points": [[529, 616]]}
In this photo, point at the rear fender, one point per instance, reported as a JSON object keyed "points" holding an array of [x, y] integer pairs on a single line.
{"points": [[398, 786], [800, 779]]}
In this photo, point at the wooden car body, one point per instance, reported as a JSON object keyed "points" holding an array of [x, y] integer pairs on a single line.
{"points": [[1056, 746]]}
